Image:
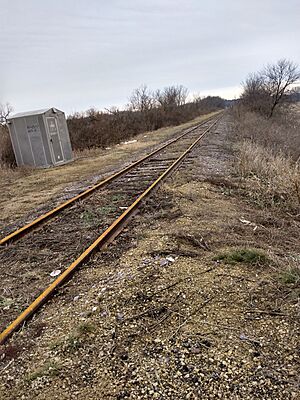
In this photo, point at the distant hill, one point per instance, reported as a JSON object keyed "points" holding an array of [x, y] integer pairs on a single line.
{"points": [[295, 96]]}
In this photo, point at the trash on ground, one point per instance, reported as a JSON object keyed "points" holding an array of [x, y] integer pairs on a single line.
{"points": [[129, 141], [56, 272]]}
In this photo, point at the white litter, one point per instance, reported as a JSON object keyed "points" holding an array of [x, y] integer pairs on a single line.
{"points": [[249, 223], [55, 273], [245, 221], [130, 141], [170, 259]]}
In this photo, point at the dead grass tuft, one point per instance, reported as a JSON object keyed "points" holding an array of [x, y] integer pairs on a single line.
{"points": [[281, 133], [290, 276], [50, 369], [273, 179]]}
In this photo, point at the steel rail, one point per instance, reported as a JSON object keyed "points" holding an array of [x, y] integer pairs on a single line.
{"points": [[15, 235], [107, 236]]}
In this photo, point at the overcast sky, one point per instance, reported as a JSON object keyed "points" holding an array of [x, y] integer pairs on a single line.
{"points": [[74, 54]]}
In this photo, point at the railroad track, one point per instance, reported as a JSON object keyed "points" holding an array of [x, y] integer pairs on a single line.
{"points": [[68, 235]]}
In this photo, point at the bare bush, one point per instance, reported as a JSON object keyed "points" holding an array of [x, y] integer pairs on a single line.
{"points": [[255, 97], [7, 157], [5, 111]]}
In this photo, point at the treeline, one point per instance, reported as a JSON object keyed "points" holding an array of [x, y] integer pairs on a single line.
{"points": [[146, 111]]}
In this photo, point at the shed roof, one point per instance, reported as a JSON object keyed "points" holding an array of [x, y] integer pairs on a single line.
{"points": [[35, 112]]}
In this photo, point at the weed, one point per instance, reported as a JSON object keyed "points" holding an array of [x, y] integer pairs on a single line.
{"points": [[117, 197], [246, 256], [85, 328], [71, 343], [56, 344], [107, 209], [88, 217], [74, 340], [50, 369], [290, 276], [5, 302]]}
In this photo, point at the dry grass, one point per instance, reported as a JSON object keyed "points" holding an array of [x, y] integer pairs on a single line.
{"points": [[268, 157], [280, 133], [273, 179]]}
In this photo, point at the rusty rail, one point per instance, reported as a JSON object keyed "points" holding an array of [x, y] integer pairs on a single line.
{"points": [[15, 235], [107, 236]]}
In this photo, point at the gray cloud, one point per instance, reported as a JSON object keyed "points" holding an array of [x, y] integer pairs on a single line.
{"points": [[77, 54]]}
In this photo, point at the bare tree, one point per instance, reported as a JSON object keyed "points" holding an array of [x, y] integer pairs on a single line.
{"points": [[265, 90], [171, 96], [141, 99], [255, 96], [5, 111], [278, 79]]}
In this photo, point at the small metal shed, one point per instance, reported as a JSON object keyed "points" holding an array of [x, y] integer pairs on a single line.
{"points": [[40, 138]]}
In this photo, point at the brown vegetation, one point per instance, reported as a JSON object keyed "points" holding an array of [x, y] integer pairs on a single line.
{"points": [[146, 111], [7, 158], [274, 180], [268, 154]]}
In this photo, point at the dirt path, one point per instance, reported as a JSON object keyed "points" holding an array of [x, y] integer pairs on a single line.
{"points": [[174, 312]]}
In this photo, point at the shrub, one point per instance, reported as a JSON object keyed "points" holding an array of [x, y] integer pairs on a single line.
{"points": [[246, 256], [291, 276], [7, 157]]}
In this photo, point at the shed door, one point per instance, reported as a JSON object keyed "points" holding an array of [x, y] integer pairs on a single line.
{"points": [[55, 144]]}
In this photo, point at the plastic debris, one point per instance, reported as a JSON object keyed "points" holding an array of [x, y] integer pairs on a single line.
{"points": [[56, 272], [130, 141], [249, 223], [170, 259]]}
